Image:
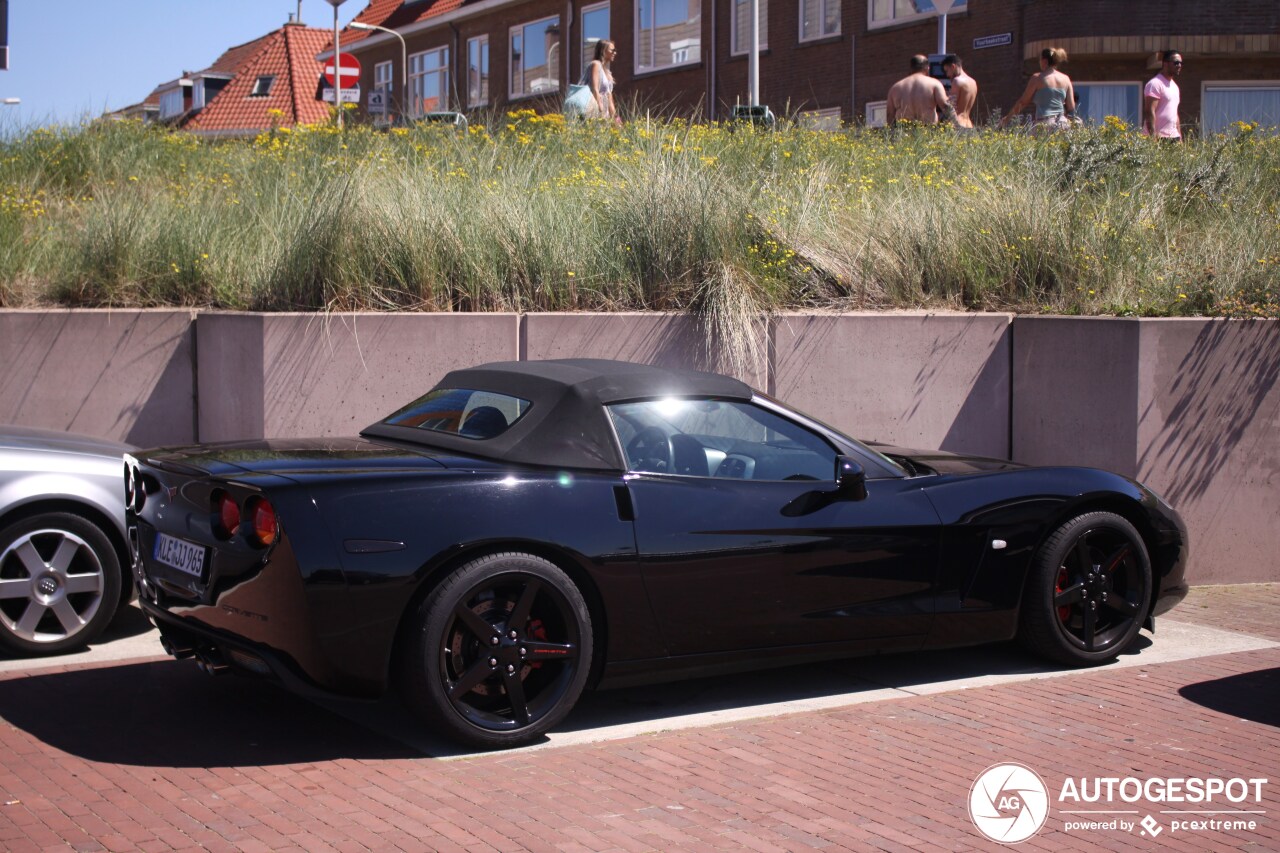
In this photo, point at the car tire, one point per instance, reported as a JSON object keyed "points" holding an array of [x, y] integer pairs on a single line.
{"points": [[60, 583], [499, 651], [1089, 591]]}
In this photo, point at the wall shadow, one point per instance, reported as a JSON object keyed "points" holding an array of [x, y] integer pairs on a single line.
{"points": [[1217, 392]]}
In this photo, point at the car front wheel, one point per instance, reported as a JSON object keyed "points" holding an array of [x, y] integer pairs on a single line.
{"points": [[1089, 591], [499, 652], [59, 583]]}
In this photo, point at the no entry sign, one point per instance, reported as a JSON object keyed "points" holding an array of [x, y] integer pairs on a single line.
{"points": [[348, 73]]}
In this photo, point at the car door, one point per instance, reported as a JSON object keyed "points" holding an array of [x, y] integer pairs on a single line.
{"points": [[753, 549]]}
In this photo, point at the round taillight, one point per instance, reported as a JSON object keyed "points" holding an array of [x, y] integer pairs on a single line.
{"points": [[262, 520], [228, 515]]}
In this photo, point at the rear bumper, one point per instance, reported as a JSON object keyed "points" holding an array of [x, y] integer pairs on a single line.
{"points": [[218, 651]]}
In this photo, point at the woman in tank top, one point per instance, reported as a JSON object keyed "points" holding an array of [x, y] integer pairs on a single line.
{"points": [[598, 76], [1050, 91]]}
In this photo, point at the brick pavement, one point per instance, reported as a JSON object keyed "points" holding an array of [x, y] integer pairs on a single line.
{"points": [[163, 760]]}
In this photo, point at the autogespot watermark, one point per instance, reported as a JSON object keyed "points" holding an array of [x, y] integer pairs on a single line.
{"points": [[1010, 803]]}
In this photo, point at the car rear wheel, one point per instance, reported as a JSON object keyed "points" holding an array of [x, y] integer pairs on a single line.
{"points": [[1089, 591], [59, 583], [499, 652]]}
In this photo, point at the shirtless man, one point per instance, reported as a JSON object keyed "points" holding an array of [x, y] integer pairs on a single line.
{"points": [[964, 89], [918, 97]]}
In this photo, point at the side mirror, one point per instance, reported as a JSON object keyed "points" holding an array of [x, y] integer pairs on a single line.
{"points": [[851, 479]]}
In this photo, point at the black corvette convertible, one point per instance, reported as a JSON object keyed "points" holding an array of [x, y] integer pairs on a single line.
{"points": [[529, 529]]}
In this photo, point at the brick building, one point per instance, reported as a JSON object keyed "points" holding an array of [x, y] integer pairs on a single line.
{"points": [[826, 58]]}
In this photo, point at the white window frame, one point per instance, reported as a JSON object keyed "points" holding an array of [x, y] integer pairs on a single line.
{"points": [[739, 45], [896, 20], [680, 48], [1227, 84], [588, 48], [827, 119], [822, 14], [414, 101], [253, 91], [512, 94], [1077, 84], [473, 98], [876, 113], [384, 75]]}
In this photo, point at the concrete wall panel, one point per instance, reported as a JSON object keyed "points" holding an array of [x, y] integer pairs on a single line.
{"points": [[1208, 439], [1075, 386], [125, 375], [229, 376], [666, 340], [916, 380], [335, 374]]}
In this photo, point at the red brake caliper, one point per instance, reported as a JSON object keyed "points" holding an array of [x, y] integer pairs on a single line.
{"points": [[537, 631], [1064, 612]]}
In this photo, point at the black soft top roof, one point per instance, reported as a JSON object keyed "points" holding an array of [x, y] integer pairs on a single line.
{"points": [[566, 425]]}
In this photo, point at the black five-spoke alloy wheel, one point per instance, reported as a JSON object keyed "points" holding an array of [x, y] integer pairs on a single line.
{"points": [[1089, 591], [499, 652], [59, 583]]}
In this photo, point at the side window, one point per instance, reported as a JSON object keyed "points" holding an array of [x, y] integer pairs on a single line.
{"points": [[718, 438]]}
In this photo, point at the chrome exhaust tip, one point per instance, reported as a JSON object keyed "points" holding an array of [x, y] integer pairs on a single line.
{"points": [[210, 662], [176, 649]]}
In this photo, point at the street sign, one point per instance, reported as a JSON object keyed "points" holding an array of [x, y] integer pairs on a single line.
{"points": [[349, 96], [348, 72], [943, 6], [377, 103], [993, 41]]}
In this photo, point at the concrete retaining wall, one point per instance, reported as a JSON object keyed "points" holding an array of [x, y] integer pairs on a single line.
{"points": [[1192, 407]]}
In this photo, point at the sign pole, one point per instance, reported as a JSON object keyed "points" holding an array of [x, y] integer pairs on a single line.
{"points": [[943, 7], [337, 66]]}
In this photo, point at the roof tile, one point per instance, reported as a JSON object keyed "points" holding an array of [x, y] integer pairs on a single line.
{"points": [[287, 54]]}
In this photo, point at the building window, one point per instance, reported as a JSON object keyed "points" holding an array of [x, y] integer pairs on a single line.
{"points": [[383, 74], [197, 95], [1096, 101], [877, 113], [819, 19], [595, 28], [536, 57], [262, 86], [1224, 104], [740, 40], [478, 71], [428, 82], [173, 102], [884, 13], [668, 33]]}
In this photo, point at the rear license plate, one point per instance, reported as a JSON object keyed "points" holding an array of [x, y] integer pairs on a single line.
{"points": [[182, 555]]}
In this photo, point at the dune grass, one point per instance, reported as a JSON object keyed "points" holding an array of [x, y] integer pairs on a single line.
{"points": [[524, 213]]}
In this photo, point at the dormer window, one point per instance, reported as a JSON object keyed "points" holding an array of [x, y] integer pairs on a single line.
{"points": [[262, 86]]}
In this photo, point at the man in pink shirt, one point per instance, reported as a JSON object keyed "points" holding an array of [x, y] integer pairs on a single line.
{"points": [[1160, 99]]}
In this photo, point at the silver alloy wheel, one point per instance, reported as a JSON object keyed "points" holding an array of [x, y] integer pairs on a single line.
{"points": [[60, 577]]}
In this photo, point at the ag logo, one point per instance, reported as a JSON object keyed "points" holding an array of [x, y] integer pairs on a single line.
{"points": [[1008, 803]]}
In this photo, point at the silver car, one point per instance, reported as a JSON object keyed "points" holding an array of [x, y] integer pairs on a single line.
{"points": [[63, 554]]}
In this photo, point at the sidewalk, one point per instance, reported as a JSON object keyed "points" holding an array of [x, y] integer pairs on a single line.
{"points": [[163, 758]]}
